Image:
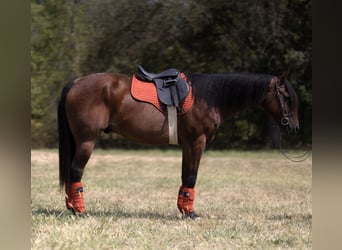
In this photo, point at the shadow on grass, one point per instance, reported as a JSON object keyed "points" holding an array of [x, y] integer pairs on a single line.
{"points": [[115, 212], [49, 212], [141, 214], [296, 217]]}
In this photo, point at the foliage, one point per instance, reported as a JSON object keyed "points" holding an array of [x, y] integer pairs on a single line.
{"points": [[78, 37]]}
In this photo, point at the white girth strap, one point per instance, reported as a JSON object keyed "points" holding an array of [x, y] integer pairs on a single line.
{"points": [[172, 121]]}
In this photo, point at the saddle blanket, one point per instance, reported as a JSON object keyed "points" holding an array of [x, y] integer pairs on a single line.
{"points": [[147, 92]]}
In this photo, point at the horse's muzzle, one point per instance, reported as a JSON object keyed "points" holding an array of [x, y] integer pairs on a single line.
{"points": [[292, 129]]}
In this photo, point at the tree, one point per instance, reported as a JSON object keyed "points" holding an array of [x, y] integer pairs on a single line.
{"points": [[55, 53], [74, 38]]}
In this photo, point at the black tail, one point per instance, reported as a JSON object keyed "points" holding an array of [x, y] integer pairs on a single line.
{"points": [[66, 140]]}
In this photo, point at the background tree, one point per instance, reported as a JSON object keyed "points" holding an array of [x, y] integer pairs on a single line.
{"points": [[74, 38]]}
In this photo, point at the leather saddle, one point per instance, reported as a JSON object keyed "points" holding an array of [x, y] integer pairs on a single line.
{"points": [[172, 89]]}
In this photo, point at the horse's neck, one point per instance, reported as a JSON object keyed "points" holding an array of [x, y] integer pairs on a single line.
{"points": [[230, 93], [241, 103], [231, 109]]}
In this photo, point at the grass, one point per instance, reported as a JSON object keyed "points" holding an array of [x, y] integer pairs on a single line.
{"points": [[247, 200]]}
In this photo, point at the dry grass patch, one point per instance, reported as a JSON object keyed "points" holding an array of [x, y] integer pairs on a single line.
{"points": [[247, 200]]}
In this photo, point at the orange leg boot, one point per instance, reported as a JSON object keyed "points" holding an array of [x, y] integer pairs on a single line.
{"points": [[74, 198], [185, 202]]}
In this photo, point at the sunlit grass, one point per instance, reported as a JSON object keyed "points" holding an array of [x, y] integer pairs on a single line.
{"points": [[247, 200]]}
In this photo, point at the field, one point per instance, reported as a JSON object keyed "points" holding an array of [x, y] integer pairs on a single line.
{"points": [[246, 200]]}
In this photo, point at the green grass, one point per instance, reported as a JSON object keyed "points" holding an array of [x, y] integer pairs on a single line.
{"points": [[247, 200]]}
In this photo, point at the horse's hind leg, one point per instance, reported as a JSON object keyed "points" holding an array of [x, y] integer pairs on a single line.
{"points": [[74, 189]]}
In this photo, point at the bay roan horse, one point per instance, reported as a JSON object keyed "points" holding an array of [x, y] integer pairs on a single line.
{"points": [[102, 102]]}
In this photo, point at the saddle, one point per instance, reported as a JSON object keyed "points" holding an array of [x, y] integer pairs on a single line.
{"points": [[171, 88]]}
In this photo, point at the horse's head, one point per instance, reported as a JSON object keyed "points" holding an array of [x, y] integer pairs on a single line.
{"points": [[282, 103]]}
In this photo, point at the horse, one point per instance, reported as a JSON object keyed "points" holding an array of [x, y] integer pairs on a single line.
{"points": [[103, 103]]}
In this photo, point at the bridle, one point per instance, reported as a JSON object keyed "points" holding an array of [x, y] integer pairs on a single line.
{"points": [[284, 121]]}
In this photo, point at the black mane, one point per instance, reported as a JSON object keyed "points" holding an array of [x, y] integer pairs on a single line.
{"points": [[230, 89]]}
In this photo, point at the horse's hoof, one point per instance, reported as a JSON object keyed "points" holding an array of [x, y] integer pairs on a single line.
{"points": [[191, 215], [79, 214], [82, 215]]}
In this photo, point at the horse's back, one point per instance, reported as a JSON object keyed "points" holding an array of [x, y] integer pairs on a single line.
{"points": [[99, 81], [96, 88]]}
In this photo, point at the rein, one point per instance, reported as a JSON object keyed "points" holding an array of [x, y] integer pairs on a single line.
{"points": [[298, 158]]}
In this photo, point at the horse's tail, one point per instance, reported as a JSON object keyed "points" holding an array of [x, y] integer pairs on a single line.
{"points": [[65, 139]]}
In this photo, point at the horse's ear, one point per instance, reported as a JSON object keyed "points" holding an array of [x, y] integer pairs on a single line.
{"points": [[282, 78]]}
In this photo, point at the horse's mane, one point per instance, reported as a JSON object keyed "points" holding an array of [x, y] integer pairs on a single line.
{"points": [[230, 89]]}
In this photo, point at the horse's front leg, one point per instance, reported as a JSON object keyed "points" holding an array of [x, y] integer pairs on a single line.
{"points": [[191, 158]]}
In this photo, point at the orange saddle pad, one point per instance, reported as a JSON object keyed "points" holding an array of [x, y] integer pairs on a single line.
{"points": [[147, 92]]}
